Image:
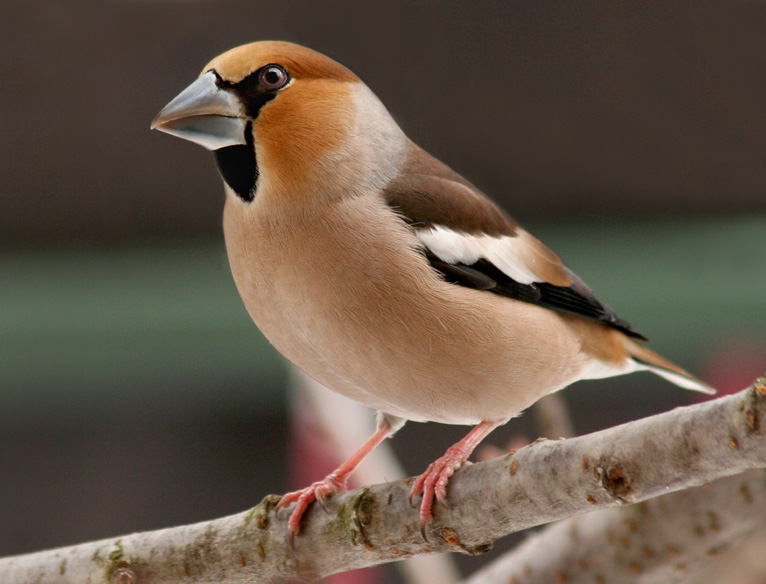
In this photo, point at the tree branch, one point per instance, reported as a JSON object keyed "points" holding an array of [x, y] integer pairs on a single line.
{"points": [[545, 481], [659, 541], [323, 407]]}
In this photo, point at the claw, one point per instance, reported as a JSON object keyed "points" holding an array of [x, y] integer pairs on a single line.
{"points": [[417, 487], [320, 499], [287, 500], [305, 497], [433, 482], [423, 531], [333, 483]]}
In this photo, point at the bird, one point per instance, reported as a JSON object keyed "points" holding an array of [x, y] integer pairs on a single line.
{"points": [[381, 272]]}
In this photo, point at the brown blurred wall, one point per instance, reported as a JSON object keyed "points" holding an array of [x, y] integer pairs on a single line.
{"points": [[134, 391], [557, 108]]}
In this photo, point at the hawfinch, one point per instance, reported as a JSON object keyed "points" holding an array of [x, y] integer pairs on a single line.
{"points": [[380, 271]]}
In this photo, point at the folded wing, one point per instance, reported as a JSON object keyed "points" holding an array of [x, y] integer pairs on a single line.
{"points": [[473, 243]]}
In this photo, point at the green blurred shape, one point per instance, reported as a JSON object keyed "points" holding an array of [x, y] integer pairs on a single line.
{"points": [[125, 331], [128, 331]]}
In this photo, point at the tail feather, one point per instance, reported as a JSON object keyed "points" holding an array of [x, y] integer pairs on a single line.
{"points": [[659, 365]]}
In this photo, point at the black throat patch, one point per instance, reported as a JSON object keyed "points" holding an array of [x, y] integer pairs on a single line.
{"points": [[238, 166]]}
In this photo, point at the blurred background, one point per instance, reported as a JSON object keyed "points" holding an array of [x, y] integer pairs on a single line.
{"points": [[135, 392]]}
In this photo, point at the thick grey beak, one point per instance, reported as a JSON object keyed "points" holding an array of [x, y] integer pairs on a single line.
{"points": [[205, 114]]}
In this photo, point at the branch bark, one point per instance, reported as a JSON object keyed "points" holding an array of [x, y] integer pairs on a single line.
{"points": [[545, 481], [323, 407], [660, 541]]}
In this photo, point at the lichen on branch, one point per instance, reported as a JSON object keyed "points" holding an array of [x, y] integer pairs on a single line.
{"points": [[546, 481]]}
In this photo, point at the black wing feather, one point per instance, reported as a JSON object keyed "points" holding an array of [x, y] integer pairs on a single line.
{"points": [[428, 193], [576, 299]]}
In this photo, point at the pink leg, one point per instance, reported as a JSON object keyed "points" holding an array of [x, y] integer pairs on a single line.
{"points": [[333, 483], [433, 482]]}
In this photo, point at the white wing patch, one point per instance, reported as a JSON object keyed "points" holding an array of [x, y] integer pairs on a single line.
{"points": [[506, 253]]}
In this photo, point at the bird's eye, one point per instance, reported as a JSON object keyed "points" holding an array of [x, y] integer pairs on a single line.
{"points": [[273, 77]]}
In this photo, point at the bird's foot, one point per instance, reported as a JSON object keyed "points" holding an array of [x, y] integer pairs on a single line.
{"points": [[331, 484], [433, 482]]}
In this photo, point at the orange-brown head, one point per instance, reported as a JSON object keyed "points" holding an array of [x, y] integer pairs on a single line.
{"points": [[266, 107]]}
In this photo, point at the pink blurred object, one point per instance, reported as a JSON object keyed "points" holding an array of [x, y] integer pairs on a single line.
{"points": [[735, 364], [313, 454]]}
